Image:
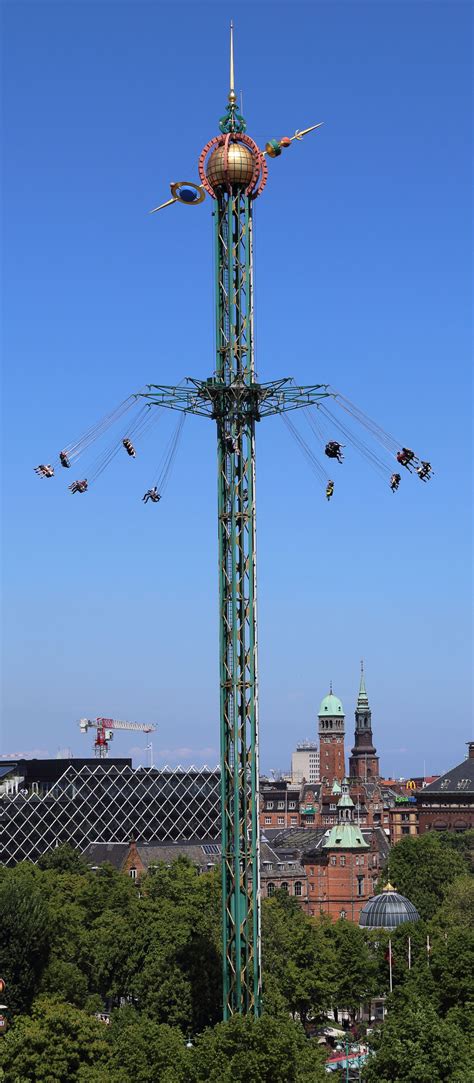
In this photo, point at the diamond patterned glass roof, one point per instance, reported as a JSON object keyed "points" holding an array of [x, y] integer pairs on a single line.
{"points": [[105, 803]]}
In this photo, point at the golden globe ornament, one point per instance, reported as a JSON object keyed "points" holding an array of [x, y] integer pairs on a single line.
{"points": [[232, 164]]}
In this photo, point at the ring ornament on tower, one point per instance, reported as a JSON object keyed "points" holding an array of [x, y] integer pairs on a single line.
{"points": [[183, 192]]}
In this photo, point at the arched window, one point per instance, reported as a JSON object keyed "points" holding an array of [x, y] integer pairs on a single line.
{"points": [[298, 888], [342, 914], [284, 887], [270, 889]]}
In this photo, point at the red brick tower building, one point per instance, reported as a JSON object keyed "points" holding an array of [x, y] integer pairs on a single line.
{"points": [[363, 762], [338, 871], [331, 739]]}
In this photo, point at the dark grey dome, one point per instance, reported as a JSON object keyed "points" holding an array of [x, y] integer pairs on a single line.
{"points": [[386, 911]]}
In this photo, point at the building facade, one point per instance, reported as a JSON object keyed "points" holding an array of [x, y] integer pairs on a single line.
{"points": [[279, 804], [340, 875], [403, 818], [305, 763], [448, 803], [342, 864]]}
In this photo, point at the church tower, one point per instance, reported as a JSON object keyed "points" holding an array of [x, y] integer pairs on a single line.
{"points": [[331, 739], [363, 762]]}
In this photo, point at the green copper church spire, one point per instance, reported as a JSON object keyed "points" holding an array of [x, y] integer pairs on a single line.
{"points": [[362, 699]]}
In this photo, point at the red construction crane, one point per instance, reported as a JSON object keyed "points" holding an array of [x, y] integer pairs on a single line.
{"points": [[105, 728]]}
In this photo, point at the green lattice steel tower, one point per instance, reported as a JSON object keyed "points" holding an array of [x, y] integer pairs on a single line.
{"points": [[233, 171]]}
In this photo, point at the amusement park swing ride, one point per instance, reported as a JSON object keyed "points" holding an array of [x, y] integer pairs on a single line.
{"points": [[233, 172]]}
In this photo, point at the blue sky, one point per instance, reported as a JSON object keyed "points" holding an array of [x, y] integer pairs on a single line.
{"points": [[362, 280]]}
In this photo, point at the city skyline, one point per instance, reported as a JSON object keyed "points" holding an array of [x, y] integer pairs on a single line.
{"points": [[164, 757]]}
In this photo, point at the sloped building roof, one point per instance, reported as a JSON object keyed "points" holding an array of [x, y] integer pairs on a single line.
{"points": [[459, 781], [345, 836], [305, 840]]}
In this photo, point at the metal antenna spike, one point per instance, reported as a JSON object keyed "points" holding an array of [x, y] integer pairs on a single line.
{"points": [[160, 208], [232, 97], [299, 135]]}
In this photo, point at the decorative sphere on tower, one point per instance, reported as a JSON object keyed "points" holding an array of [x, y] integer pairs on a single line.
{"points": [[231, 164]]}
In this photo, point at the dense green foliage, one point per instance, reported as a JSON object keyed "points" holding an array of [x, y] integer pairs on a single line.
{"points": [[25, 934], [266, 1051], [55, 1042], [421, 867], [416, 1046], [428, 1034], [299, 960], [74, 943]]}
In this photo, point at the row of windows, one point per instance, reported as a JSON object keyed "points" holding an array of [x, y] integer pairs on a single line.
{"points": [[280, 804], [271, 888], [281, 820]]}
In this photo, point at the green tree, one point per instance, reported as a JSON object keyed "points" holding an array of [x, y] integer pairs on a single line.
{"points": [[462, 842], [245, 1050], [93, 916], [145, 1051], [299, 963], [25, 934], [64, 858], [457, 908], [452, 967], [175, 957], [106, 951], [421, 867], [415, 1046], [51, 1044], [356, 967], [66, 981]]}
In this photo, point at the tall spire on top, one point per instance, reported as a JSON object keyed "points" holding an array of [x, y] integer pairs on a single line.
{"points": [[232, 121], [232, 97], [363, 699]]}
